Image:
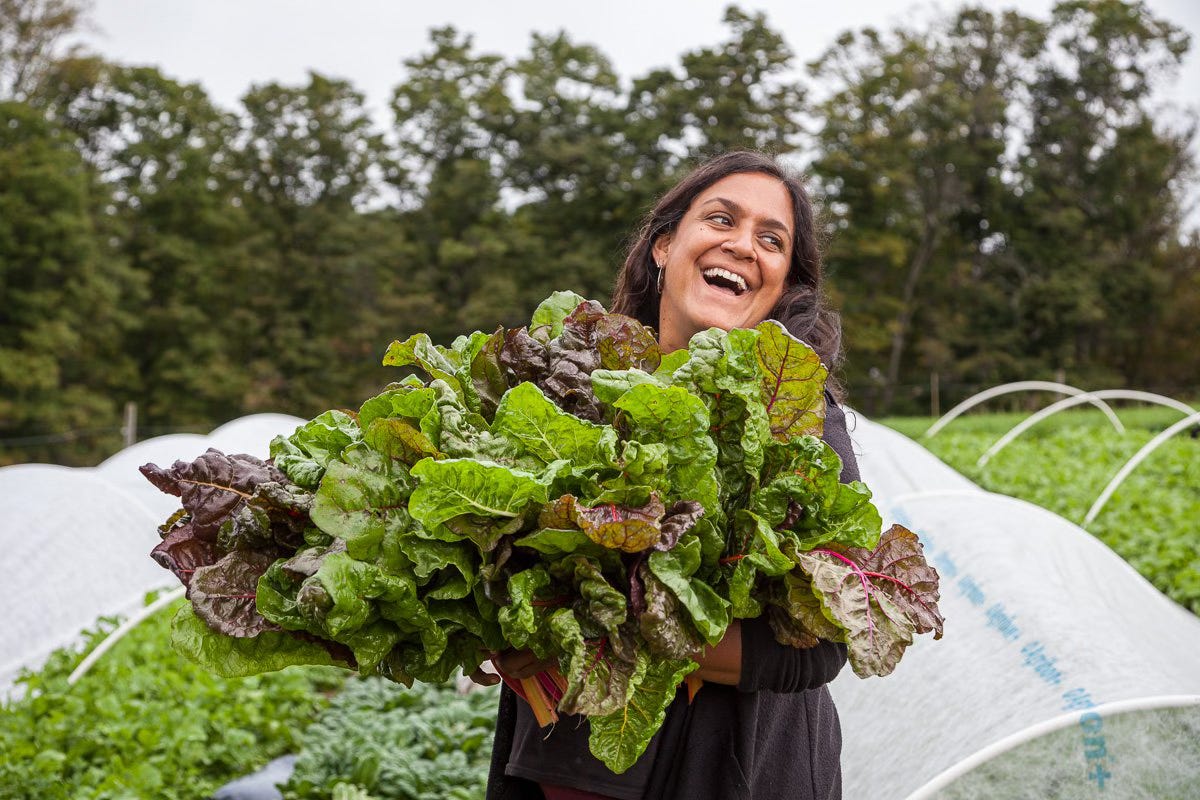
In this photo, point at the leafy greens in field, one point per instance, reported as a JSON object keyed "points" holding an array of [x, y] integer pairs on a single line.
{"points": [[563, 488]]}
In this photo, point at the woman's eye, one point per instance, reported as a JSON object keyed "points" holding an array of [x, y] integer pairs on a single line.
{"points": [[721, 219], [773, 241]]}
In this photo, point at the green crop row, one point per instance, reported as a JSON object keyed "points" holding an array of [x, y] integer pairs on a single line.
{"points": [[147, 723], [1064, 463]]}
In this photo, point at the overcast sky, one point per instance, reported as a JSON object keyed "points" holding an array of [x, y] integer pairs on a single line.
{"points": [[227, 45]]}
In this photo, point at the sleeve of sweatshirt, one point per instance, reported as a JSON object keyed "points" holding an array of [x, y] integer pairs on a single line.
{"points": [[773, 667]]}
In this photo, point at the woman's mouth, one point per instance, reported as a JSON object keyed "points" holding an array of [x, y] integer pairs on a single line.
{"points": [[724, 280]]}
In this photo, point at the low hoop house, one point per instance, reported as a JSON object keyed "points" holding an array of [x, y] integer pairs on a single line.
{"points": [[76, 540], [1062, 673]]}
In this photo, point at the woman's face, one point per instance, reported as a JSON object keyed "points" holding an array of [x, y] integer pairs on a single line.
{"points": [[726, 263]]}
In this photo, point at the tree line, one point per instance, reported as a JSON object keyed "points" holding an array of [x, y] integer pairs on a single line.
{"points": [[1000, 200]]}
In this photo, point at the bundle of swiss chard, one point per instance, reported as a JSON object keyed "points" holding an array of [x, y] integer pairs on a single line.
{"points": [[563, 487]]}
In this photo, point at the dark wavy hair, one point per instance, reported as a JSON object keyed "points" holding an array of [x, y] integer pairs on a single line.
{"points": [[802, 309]]}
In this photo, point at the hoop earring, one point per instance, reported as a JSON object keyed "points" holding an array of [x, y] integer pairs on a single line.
{"points": [[659, 283]]}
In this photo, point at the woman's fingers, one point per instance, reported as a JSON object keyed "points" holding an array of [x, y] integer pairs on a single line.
{"points": [[484, 678]]}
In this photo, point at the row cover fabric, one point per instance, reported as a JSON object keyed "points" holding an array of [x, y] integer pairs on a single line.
{"points": [[1043, 623], [76, 542]]}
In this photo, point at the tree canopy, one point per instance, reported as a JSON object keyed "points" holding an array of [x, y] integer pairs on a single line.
{"points": [[1000, 197]]}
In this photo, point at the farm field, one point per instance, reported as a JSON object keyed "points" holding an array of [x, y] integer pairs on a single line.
{"points": [[1064, 462], [146, 722]]}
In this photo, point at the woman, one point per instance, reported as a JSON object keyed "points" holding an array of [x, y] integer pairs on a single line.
{"points": [[731, 245]]}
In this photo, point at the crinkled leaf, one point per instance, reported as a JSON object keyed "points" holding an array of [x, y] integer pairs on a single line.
{"points": [[519, 619], [408, 402], [525, 415], [803, 605], [679, 420], [305, 454], [274, 518], [358, 594], [486, 532], [679, 519], [457, 486], [763, 545], [599, 601], [465, 434], [598, 681], [522, 357], [420, 351], [547, 322], [619, 739], [793, 382], [663, 624], [399, 439], [556, 543], [709, 611], [183, 552], [488, 374], [879, 597], [742, 585], [787, 630], [223, 593], [212, 485], [363, 499], [610, 384], [621, 527]]}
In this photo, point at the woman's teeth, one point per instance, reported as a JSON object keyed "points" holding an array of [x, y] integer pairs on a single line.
{"points": [[725, 277]]}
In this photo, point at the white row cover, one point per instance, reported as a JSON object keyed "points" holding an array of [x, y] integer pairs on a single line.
{"points": [[1062, 672], [76, 542]]}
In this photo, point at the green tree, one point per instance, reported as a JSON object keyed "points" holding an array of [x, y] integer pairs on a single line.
{"points": [[1096, 205], [63, 299], [30, 32], [911, 154], [163, 149], [308, 161], [446, 109]]}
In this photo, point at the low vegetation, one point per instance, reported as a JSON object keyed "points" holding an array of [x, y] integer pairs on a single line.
{"points": [[1064, 463]]}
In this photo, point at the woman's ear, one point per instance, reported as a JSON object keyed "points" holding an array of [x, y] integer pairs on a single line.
{"points": [[660, 248]]}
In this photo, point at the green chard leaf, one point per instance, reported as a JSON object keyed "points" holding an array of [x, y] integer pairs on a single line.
{"points": [[598, 679], [665, 627], [619, 738], [519, 618], [487, 373], [364, 499], [678, 419], [305, 454], [231, 657], [793, 382], [491, 498], [709, 612], [546, 432], [547, 322], [879, 597]]}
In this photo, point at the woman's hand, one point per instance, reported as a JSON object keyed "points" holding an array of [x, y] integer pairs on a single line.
{"points": [[521, 663]]}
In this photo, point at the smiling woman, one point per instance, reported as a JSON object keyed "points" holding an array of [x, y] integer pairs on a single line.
{"points": [[729, 246], [726, 262], [732, 244]]}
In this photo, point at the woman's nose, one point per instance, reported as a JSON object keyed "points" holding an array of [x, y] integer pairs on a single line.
{"points": [[740, 245]]}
